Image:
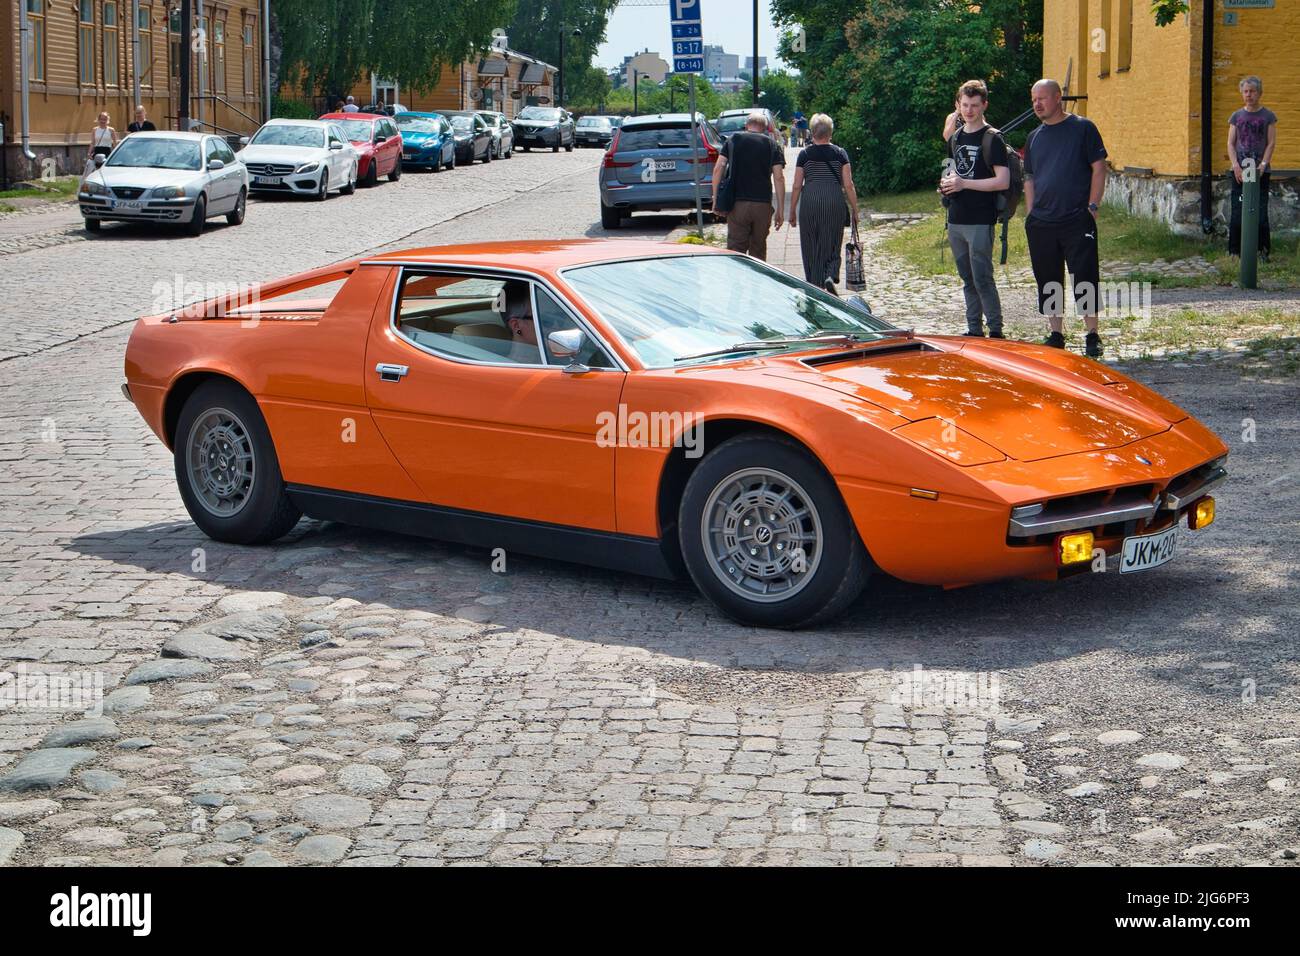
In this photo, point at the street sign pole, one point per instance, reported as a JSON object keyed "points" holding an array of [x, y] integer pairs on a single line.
{"points": [[688, 57]]}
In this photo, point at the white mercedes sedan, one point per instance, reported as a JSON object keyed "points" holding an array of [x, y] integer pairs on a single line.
{"points": [[300, 157], [185, 178]]}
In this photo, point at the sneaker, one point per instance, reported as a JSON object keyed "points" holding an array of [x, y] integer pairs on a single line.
{"points": [[1092, 345], [1056, 340], [996, 334]]}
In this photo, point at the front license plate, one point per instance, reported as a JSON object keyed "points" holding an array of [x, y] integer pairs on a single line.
{"points": [[268, 180], [125, 204], [1147, 551], [666, 166]]}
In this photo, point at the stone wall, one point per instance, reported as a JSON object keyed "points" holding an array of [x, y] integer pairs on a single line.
{"points": [[1177, 201]]}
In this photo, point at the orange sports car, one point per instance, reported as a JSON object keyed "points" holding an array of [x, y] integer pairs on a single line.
{"points": [[663, 409]]}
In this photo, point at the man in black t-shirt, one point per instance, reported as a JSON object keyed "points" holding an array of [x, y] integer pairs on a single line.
{"points": [[142, 123], [976, 173], [757, 170]]}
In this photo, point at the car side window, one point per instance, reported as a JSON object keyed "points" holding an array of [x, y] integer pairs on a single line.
{"points": [[335, 135], [224, 152], [552, 317], [212, 151], [475, 318]]}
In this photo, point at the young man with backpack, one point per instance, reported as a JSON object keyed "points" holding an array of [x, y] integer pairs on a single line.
{"points": [[975, 185]]}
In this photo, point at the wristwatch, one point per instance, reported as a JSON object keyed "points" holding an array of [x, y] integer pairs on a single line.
{"points": [[1092, 207]]}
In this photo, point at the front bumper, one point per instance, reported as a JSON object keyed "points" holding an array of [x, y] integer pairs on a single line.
{"points": [[542, 137], [422, 155], [144, 210], [301, 184], [629, 197]]}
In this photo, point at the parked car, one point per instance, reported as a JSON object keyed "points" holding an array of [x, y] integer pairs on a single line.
{"points": [[838, 446], [302, 157], [594, 131], [427, 140], [730, 122], [472, 136], [166, 177], [503, 134], [378, 144], [544, 126], [662, 143]]}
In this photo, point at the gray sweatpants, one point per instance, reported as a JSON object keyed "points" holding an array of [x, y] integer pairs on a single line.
{"points": [[972, 249]]}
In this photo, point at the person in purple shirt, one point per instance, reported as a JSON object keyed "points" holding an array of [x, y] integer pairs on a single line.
{"points": [[1252, 136]]}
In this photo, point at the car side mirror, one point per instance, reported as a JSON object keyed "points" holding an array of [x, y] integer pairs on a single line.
{"points": [[215, 164], [567, 344], [243, 141], [336, 145], [381, 139], [99, 159]]}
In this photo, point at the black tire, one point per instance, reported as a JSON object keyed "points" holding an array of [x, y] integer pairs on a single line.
{"points": [[265, 511], [236, 216], [200, 216], [487, 154], [569, 148], [610, 217], [840, 567], [351, 185], [372, 174], [555, 148], [323, 192], [395, 173], [93, 225], [528, 149]]}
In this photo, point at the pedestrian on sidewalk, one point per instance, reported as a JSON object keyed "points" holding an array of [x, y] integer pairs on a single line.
{"points": [[974, 178], [1065, 179], [1252, 136], [102, 140], [757, 165], [141, 123], [824, 199], [350, 106]]}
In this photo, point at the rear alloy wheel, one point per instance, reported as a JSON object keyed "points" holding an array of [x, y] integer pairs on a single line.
{"points": [[569, 148], [487, 154], [610, 217], [324, 191], [395, 173], [766, 536], [195, 226], [555, 148], [226, 467], [236, 215], [372, 174], [351, 185]]}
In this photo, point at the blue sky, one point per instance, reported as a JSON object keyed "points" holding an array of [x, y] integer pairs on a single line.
{"points": [[725, 22]]}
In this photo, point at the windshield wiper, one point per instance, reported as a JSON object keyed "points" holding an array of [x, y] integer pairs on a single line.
{"points": [[757, 344]]}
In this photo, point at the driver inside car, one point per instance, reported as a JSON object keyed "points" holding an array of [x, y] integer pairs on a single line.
{"points": [[523, 330]]}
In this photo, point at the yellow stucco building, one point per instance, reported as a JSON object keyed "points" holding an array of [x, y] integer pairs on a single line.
{"points": [[1144, 89]]}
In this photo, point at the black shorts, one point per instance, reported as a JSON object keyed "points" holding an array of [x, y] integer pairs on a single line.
{"points": [[1055, 245]]}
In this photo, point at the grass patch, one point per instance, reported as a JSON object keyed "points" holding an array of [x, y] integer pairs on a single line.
{"points": [[1184, 331], [50, 190], [1124, 237], [920, 200]]}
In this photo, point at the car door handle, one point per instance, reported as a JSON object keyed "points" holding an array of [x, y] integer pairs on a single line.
{"points": [[391, 373]]}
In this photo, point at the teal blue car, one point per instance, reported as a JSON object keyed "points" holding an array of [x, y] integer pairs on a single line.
{"points": [[427, 140]]}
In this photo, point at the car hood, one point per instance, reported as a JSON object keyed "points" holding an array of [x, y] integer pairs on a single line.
{"points": [[282, 154], [1025, 405], [537, 124], [419, 139], [144, 176]]}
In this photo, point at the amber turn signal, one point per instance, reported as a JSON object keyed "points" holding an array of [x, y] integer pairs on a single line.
{"points": [[1201, 514], [1074, 548]]}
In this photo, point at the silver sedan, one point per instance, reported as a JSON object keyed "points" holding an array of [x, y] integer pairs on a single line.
{"points": [[184, 178]]}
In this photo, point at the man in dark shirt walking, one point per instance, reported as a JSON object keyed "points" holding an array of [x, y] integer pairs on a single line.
{"points": [[977, 173], [757, 170], [1252, 137], [1065, 179]]}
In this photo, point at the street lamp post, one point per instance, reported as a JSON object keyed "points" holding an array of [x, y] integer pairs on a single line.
{"points": [[559, 94], [636, 83]]}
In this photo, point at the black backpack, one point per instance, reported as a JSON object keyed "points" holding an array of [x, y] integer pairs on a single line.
{"points": [[1009, 198]]}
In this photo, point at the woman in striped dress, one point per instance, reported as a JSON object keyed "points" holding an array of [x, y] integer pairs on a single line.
{"points": [[823, 179]]}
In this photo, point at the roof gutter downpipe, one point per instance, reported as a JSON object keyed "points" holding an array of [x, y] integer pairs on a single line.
{"points": [[24, 67], [1207, 115]]}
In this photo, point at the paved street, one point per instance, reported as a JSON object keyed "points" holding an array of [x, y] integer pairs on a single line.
{"points": [[382, 700]]}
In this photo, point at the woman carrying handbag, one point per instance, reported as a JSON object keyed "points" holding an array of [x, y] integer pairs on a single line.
{"points": [[823, 182], [102, 140]]}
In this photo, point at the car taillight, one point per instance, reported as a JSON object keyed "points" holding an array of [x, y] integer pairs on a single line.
{"points": [[609, 162], [710, 154]]}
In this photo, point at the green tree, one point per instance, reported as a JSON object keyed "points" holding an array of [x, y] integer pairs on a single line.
{"points": [[780, 93], [535, 29]]}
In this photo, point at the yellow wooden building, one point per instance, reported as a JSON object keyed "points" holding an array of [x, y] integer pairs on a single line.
{"points": [[1145, 90]]}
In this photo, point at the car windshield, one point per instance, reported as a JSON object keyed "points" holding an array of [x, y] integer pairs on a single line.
{"points": [[285, 134], [594, 121], [462, 123], [357, 131], [731, 124], [418, 124], [654, 136], [150, 153], [539, 113], [670, 309]]}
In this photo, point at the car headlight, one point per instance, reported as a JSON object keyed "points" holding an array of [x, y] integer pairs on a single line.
{"points": [[94, 188], [169, 192], [306, 168]]}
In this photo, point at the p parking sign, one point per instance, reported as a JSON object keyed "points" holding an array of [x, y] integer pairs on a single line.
{"points": [[688, 39]]}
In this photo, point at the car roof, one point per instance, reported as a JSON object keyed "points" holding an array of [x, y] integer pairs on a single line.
{"points": [[353, 116], [661, 118], [543, 255], [284, 121], [172, 134], [427, 114]]}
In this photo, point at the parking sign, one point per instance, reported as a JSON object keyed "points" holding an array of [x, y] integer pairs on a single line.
{"points": [[688, 40]]}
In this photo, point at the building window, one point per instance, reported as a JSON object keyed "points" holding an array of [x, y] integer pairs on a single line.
{"points": [[250, 54], [86, 41], [146, 46], [111, 76], [1124, 37], [174, 31], [36, 53], [219, 55], [203, 62]]}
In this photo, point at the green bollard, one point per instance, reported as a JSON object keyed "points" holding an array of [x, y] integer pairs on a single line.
{"points": [[1249, 231]]}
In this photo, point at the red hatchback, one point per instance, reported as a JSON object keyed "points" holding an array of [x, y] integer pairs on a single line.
{"points": [[377, 142]]}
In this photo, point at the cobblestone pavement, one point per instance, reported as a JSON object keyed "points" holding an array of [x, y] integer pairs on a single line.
{"points": [[352, 697]]}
